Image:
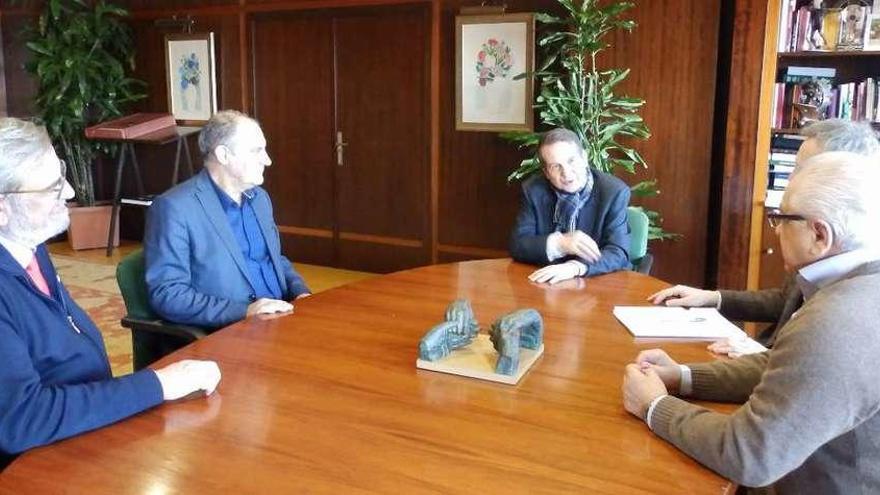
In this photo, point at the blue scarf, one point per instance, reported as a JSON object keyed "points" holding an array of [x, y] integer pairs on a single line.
{"points": [[568, 205]]}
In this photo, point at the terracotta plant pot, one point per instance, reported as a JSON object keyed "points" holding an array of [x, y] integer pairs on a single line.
{"points": [[89, 226]]}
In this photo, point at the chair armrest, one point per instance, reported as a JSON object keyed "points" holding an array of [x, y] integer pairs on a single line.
{"points": [[643, 265], [164, 328]]}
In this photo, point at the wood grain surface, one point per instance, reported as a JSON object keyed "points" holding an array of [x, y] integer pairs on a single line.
{"points": [[328, 400]]}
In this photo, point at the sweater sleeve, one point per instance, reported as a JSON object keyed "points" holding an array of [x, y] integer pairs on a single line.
{"points": [[33, 414], [169, 276], [815, 388], [760, 305], [727, 380]]}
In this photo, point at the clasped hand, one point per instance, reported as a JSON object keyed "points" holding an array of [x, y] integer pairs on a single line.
{"points": [[578, 244], [265, 306], [653, 374]]}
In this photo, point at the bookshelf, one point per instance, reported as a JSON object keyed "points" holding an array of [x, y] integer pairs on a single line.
{"points": [[850, 66]]}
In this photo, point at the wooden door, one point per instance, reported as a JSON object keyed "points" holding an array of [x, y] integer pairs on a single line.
{"points": [[293, 99], [382, 113], [359, 75]]}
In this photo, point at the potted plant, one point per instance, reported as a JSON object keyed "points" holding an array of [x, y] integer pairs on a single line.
{"points": [[80, 51], [576, 95]]}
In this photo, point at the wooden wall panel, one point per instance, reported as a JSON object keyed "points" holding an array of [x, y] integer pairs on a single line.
{"points": [[476, 204], [20, 87], [680, 95], [3, 111], [741, 139]]}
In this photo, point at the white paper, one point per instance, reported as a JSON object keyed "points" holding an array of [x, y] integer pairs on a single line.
{"points": [[666, 322]]}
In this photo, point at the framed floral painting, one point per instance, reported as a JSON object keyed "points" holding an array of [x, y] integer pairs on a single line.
{"points": [[191, 73], [490, 52]]}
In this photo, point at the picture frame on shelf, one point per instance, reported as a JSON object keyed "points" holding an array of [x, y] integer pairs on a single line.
{"points": [[190, 71], [872, 33], [491, 51], [852, 27]]}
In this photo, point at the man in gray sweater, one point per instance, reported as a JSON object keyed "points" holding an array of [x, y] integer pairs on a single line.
{"points": [[775, 305], [809, 422]]}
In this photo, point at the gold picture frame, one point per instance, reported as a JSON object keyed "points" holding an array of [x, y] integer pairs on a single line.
{"points": [[490, 52]]}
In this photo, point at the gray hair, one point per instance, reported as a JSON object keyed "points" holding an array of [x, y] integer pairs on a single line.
{"points": [[839, 187], [559, 135], [843, 135], [22, 142], [221, 130]]}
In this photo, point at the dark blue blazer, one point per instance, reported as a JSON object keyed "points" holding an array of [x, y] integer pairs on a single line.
{"points": [[55, 379], [603, 218], [195, 270]]}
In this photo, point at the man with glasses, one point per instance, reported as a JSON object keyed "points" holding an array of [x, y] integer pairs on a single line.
{"points": [[213, 253], [810, 419], [774, 305], [572, 218], [55, 379]]}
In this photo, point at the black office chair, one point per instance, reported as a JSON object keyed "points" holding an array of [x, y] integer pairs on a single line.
{"points": [[151, 337]]}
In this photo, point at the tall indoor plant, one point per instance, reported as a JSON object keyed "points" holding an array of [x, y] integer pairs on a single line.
{"points": [[574, 93], [80, 51]]}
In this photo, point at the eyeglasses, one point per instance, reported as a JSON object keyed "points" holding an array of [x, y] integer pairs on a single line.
{"points": [[57, 187], [775, 218]]}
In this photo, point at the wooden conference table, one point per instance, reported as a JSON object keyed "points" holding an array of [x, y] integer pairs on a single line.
{"points": [[328, 400]]}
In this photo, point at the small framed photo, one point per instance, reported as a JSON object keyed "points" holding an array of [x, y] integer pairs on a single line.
{"points": [[852, 27], [190, 67], [491, 51], [872, 33]]}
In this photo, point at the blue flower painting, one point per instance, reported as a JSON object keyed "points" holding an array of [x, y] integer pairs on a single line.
{"points": [[189, 74]]}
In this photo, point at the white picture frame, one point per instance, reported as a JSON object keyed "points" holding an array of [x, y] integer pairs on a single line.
{"points": [[872, 33], [190, 67]]}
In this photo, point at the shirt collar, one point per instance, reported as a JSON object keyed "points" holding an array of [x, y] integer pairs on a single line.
{"points": [[21, 253], [824, 272], [226, 202]]}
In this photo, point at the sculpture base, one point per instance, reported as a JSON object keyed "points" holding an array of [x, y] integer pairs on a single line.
{"points": [[478, 361]]}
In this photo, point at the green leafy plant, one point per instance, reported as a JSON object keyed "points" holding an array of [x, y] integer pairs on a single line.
{"points": [[575, 94], [79, 54]]}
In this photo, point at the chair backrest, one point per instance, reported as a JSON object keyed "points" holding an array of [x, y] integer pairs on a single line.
{"points": [[638, 232], [133, 285]]}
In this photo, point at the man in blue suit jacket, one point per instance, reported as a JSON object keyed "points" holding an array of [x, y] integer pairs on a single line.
{"points": [[212, 250], [572, 219]]}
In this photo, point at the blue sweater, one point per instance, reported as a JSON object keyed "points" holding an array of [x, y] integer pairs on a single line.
{"points": [[55, 380]]}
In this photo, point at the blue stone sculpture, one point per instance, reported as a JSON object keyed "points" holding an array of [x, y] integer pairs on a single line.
{"points": [[457, 331], [521, 328]]}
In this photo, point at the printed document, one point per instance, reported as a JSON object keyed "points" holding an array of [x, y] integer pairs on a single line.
{"points": [[676, 322]]}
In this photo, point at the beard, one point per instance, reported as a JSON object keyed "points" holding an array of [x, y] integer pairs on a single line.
{"points": [[30, 230]]}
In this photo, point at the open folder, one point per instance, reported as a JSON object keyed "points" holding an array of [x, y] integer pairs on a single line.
{"points": [[666, 322]]}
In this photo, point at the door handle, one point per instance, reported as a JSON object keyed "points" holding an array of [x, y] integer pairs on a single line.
{"points": [[340, 149]]}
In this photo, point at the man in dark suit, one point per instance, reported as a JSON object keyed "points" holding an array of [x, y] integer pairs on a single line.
{"points": [[213, 252], [573, 218]]}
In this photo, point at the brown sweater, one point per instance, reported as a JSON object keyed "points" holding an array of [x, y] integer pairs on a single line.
{"points": [[769, 305], [809, 423]]}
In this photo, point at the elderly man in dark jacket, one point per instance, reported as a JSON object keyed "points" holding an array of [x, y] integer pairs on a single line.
{"points": [[573, 218]]}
